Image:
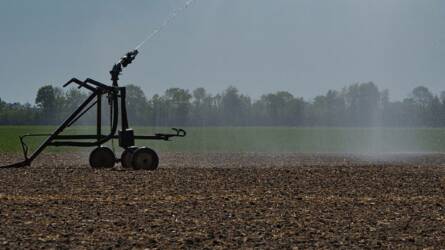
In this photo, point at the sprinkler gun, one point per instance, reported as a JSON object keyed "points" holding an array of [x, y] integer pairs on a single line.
{"points": [[123, 63]]}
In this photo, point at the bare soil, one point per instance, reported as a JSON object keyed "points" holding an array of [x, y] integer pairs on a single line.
{"points": [[222, 200]]}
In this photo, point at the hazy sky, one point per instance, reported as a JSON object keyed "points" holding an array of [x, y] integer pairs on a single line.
{"points": [[260, 46]]}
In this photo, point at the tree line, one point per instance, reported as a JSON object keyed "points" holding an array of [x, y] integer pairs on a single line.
{"points": [[358, 105]]}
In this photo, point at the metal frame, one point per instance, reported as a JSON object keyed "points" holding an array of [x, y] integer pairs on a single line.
{"points": [[115, 94]]}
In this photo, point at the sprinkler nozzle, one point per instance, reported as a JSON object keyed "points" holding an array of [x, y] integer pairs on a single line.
{"points": [[129, 57]]}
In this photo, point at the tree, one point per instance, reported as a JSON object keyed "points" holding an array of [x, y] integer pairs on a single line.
{"points": [[199, 94], [336, 108], [46, 99], [362, 103], [436, 112], [159, 111], [2, 108], [422, 100], [178, 102], [283, 109], [422, 97], [137, 105], [46, 102], [199, 108], [234, 107]]}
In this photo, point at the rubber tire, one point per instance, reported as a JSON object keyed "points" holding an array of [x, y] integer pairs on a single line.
{"points": [[127, 156], [102, 157], [145, 158]]}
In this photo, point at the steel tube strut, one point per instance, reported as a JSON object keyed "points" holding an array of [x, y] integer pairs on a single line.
{"points": [[99, 117]]}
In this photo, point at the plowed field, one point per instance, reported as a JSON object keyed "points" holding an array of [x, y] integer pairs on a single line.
{"points": [[222, 200]]}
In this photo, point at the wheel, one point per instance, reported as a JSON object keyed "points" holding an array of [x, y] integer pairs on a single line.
{"points": [[102, 157], [145, 158], [126, 157]]}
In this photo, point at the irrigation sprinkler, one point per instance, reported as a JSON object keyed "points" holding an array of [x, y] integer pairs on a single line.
{"points": [[103, 157]]}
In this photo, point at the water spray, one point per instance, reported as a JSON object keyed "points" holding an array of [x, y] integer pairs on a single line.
{"points": [[166, 22]]}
